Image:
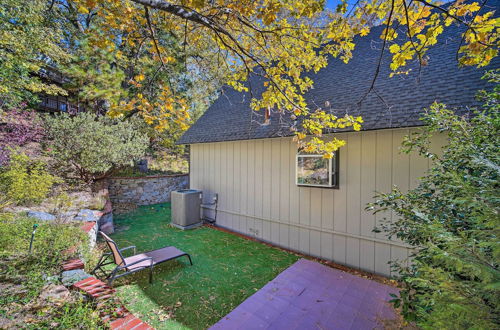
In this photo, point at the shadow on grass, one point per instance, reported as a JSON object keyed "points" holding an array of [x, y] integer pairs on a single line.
{"points": [[227, 269]]}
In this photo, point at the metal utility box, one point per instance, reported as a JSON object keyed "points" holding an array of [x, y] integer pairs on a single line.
{"points": [[186, 206]]}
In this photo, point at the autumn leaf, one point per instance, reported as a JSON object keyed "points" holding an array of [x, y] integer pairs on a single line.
{"points": [[83, 10], [139, 77], [394, 48]]}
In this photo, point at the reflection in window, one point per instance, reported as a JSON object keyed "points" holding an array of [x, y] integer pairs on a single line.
{"points": [[314, 170]]}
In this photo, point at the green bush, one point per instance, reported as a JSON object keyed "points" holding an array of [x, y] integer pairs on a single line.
{"points": [[24, 180], [50, 240], [452, 220], [89, 147]]}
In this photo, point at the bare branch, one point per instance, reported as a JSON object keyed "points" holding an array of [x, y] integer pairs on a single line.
{"points": [[379, 64], [419, 54], [148, 19]]}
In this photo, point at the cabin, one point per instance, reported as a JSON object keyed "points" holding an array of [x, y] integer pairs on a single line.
{"points": [[265, 188]]}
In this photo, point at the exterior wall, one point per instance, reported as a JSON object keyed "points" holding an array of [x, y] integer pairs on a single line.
{"points": [[255, 182], [146, 190]]}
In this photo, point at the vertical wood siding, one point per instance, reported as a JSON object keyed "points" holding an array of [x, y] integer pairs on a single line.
{"points": [[255, 182]]}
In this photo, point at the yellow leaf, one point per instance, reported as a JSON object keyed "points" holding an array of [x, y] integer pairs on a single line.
{"points": [[364, 31], [394, 48], [83, 10]]}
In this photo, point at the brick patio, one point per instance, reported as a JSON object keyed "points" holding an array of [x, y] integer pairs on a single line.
{"points": [[309, 295]]}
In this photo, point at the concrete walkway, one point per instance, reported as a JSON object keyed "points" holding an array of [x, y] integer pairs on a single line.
{"points": [[309, 295]]}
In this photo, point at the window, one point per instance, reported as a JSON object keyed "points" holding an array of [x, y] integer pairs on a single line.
{"points": [[316, 171]]}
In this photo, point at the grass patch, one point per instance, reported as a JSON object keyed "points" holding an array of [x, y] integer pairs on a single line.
{"points": [[227, 269]]}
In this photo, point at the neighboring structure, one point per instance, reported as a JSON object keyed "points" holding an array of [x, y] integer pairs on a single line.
{"points": [[55, 103], [252, 167]]}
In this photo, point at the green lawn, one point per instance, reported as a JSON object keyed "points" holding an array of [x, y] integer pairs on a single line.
{"points": [[227, 269]]}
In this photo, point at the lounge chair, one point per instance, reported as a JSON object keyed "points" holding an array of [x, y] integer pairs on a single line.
{"points": [[135, 263]]}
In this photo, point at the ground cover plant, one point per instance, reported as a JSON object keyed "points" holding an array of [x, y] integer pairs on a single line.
{"points": [[227, 269], [27, 278], [452, 220]]}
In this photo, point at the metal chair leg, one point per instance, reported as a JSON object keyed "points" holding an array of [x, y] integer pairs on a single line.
{"points": [[98, 266], [150, 275], [190, 261]]}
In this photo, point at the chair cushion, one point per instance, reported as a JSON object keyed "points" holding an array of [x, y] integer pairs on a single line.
{"points": [[159, 256]]}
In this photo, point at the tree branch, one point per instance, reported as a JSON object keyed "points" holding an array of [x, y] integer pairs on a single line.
{"points": [[183, 12], [379, 64], [148, 19]]}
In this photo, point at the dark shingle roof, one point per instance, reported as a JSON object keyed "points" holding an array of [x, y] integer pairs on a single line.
{"points": [[399, 103]]}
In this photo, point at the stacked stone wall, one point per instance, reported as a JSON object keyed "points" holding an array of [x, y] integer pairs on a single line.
{"points": [[145, 190]]}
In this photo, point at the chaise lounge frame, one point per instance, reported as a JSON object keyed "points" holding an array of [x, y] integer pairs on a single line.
{"points": [[135, 263]]}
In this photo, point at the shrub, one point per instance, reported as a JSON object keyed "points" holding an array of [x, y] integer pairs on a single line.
{"points": [[89, 147], [18, 127], [24, 180], [50, 240], [452, 220], [24, 276]]}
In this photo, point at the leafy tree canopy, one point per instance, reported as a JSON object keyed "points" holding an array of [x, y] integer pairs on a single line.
{"points": [[29, 41], [151, 57]]}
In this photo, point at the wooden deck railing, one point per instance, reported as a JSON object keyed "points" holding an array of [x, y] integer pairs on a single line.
{"points": [[58, 104]]}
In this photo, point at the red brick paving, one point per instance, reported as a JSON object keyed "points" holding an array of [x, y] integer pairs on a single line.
{"points": [[73, 264], [308, 295], [120, 318], [87, 226], [94, 287], [129, 322], [101, 292]]}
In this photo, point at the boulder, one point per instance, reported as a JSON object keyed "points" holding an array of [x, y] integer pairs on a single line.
{"points": [[44, 216], [88, 215], [70, 277], [54, 293]]}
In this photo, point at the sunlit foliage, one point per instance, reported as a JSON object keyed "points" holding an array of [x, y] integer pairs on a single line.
{"points": [[138, 56], [451, 220]]}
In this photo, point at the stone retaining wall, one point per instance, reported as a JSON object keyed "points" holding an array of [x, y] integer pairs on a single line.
{"points": [[145, 190]]}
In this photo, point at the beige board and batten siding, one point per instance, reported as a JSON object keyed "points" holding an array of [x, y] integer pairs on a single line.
{"points": [[255, 183]]}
